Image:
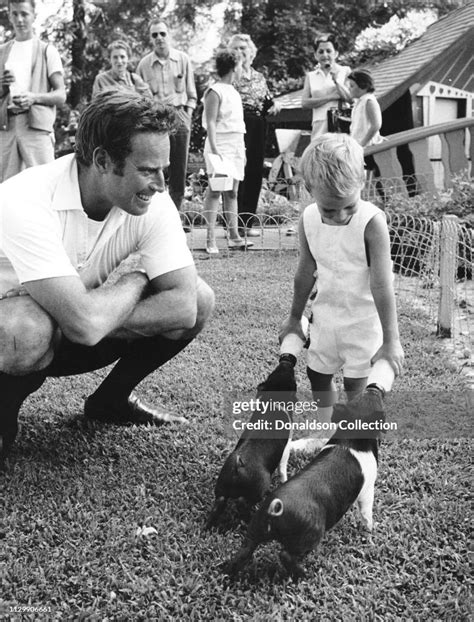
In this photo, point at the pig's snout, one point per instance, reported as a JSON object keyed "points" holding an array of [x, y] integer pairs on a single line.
{"points": [[216, 511], [275, 508]]}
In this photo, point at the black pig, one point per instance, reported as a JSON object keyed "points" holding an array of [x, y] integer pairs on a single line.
{"points": [[247, 472]]}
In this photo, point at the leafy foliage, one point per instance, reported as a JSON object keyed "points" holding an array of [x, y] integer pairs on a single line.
{"points": [[374, 44], [457, 200]]}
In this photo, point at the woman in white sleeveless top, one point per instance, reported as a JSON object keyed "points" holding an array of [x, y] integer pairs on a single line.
{"points": [[366, 115], [223, 119], [326, 85], [366, 119]]}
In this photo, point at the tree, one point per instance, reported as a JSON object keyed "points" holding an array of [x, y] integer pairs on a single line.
{"points": [[373, 45], [78, 46]]}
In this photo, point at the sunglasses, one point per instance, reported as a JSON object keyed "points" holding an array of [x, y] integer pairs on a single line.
{"points": [[154, 35]]}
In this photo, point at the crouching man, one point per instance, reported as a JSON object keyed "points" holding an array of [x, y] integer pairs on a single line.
{"points": [[65, 227]]}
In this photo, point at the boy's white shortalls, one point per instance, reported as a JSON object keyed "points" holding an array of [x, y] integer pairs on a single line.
{"points": [[346, 330]]}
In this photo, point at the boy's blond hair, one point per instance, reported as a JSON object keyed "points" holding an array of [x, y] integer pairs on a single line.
{"points": [[334, 162]]}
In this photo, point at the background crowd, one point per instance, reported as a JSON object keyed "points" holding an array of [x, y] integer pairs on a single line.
{"points": [[32, 84]]}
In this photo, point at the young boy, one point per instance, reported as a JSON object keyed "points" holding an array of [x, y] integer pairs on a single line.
{"points": [[345, 251]]}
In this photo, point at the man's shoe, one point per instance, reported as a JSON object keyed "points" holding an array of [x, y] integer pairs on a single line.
{"points": [[132, 412]]}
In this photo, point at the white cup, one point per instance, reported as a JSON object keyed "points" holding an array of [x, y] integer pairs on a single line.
{"points": [[14, 89]]}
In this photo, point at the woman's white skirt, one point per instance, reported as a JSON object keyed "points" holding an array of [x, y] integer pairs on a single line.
{"points": [[231, 146]]}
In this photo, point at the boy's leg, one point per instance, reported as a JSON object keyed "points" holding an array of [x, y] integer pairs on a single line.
{"points": [[325, 394], [354, 386]]}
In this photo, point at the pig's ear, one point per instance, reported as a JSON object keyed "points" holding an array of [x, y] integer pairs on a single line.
{"points": [[240, 462]]}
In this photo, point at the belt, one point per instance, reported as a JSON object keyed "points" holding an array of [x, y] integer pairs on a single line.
{"points": [[14, 113]]}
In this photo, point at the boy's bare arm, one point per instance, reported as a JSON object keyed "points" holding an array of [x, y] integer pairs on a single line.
{"points": [[381, 285], [374, 117], [303, 284]]}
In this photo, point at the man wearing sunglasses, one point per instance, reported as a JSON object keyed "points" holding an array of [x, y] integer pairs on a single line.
{"points": [[169, 74]]}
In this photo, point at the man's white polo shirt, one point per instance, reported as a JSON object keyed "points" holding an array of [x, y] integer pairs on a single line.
{"points": [[44, 232]]}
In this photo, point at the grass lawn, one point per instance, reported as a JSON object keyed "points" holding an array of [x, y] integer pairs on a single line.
{"points": [[72, 502]]}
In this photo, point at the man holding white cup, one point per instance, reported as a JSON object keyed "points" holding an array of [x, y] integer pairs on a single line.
{"points": [[31, 86]]}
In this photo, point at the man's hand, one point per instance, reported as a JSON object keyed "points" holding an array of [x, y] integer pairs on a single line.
{"points": [[13, 293], [24, 101], [7, 78]]}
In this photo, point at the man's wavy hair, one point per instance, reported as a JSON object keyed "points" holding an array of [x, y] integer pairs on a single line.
{"points": [[111, 120]]}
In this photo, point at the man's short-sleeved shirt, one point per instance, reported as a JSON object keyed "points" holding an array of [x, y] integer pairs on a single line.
{"points": [[44, 231], [172, 80], [20, 62]]}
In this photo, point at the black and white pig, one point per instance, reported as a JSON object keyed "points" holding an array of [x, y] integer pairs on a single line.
{"points": [[298, 513]]}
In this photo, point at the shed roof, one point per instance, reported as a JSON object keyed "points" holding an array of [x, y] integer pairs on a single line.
{"points": [[443, 54]]}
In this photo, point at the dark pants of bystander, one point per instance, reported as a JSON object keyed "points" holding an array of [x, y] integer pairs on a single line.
{"points": [[249, 188]]}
